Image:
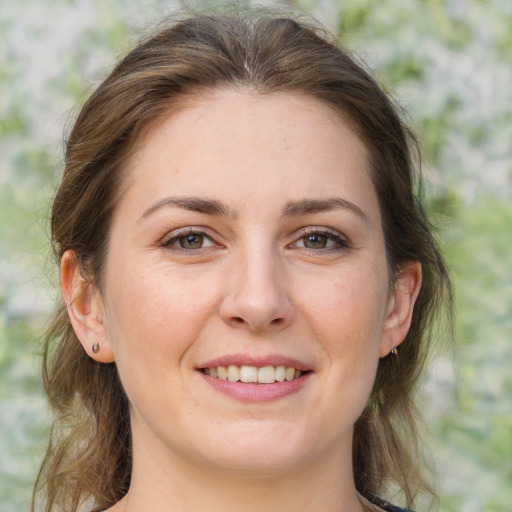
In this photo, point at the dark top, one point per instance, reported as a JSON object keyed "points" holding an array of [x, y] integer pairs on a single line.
{"points": [[391, 508], [388, 507]]}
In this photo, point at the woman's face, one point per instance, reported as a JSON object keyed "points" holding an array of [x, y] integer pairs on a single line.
{"points": [[248, 238]]}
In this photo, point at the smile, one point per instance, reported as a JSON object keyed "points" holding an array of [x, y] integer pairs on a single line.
{"points": [[253, 374]]}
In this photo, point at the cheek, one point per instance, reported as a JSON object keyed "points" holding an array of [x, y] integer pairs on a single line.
{"points": [[348, 309], [155, 314], [154, 318], [346, 315]]}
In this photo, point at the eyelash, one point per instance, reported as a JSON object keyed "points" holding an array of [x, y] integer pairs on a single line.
{"points": [[175, 236], [340, 242]]}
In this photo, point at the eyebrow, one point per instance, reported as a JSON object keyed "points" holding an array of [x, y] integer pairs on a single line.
{"points": [[292, 209], [195, 204], [305, 206]]}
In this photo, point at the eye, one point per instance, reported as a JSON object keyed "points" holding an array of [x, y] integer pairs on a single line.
{"points": [[188, 240], [193, 241], [315, 241], [321, 239]]}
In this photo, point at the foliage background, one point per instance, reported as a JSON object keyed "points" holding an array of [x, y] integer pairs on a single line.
{"points": [[448, 62]]}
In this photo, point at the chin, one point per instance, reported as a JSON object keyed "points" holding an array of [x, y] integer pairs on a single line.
{"points": [[255, 448], [257, 463]]}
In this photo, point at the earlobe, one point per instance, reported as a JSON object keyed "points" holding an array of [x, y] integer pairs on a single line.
{"points": [[85, 309], [400, 307]]}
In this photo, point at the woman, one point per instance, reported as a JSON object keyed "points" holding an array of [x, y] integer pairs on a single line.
{"points": [[248, 281]]}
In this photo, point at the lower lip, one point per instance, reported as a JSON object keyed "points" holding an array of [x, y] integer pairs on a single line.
{"points": [[257, 392]]}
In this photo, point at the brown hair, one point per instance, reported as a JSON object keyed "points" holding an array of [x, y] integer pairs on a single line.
{"points": [[89, 454]]}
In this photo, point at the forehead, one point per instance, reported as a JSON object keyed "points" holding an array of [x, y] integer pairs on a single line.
{"points": [[239, 144]]}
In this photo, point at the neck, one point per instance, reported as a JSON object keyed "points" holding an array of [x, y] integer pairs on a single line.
{"points": [[166, 483]]}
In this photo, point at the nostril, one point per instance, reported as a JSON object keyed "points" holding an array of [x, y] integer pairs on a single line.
{"points": [[238, 320]]}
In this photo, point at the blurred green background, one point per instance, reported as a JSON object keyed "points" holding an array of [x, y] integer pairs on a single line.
{"points": [[449, 63]]}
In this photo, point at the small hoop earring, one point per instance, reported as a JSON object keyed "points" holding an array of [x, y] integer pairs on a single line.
{"points": [[394, 351], [96, 348]]}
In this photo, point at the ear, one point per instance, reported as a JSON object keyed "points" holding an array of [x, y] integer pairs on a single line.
{"points": [[85, 309], [400, 307]]}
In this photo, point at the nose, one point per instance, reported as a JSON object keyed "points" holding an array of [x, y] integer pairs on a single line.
{"points": [[257, 296]]}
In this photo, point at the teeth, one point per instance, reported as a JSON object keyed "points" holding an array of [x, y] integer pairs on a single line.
{"points": [[248, 374], [261, 375], [267, 375], [222, 372], [233, 373], [280, 373]]}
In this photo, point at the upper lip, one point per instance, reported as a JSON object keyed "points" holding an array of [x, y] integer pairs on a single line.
{"points": [[253, 360]]}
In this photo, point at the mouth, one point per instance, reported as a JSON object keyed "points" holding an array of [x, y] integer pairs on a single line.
{"points": [[268, 374], [253, 379]]}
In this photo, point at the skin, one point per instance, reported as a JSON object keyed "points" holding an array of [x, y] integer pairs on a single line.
{"points": [[253, 288]]}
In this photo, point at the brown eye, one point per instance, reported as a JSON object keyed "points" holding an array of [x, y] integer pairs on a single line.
{"points": [[321, 240], [192, 241], [315, 241], [188, 240]]}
